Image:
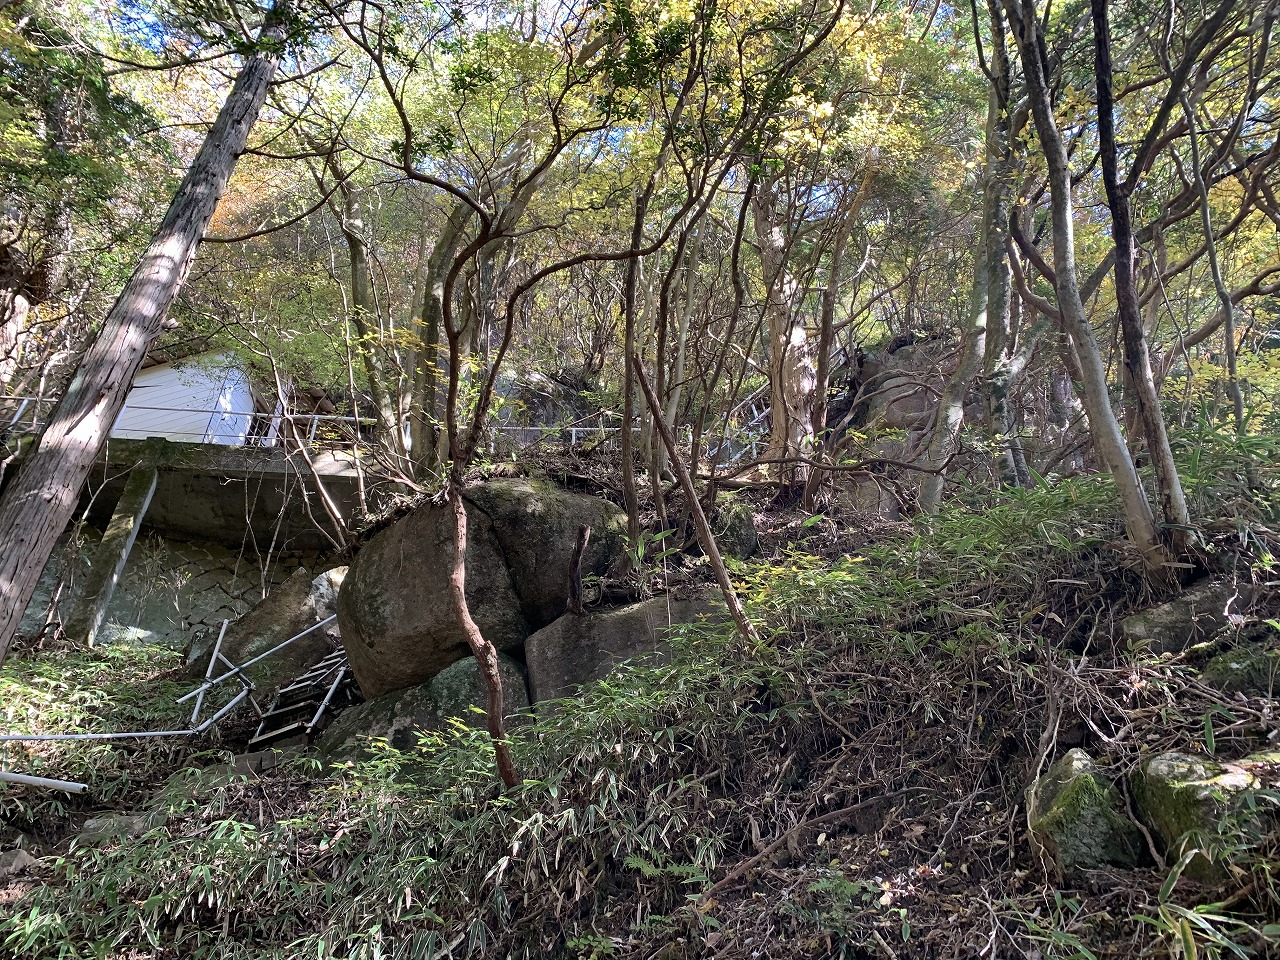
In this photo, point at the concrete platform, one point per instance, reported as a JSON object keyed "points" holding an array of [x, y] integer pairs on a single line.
{"points": [[259, 498]]}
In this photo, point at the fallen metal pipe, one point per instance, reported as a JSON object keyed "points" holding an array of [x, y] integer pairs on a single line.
{"points": [[40, 737], [231, 705], [238, 671], [208, 673], [70, 786]]}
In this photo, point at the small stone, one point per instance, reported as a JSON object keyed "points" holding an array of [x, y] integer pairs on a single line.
{"points": [[14, 862]]}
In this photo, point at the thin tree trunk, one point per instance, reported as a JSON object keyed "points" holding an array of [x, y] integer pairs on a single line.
{"points": [[36, 508], [1226, 304], [1137, 356], [792, 378], [991, 251], [706, 538], [485, 653], [363, 310], [1103, 425], [424, 404]]}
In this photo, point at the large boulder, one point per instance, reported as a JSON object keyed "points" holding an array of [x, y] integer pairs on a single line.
{"points": [[1189, 619], [397, 717], [396, 619], [577, 649], [286, 612], [1184, 799], [1077, 815], [536, 524]]}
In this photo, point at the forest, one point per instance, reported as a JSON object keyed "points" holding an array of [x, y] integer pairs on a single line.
{"points": [[936, 347]]}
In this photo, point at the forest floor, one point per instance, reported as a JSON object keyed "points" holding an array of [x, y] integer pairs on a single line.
{"points": [[851, 786]]}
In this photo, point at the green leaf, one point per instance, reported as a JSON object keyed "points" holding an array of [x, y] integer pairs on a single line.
{"points": [[1187, 940]]}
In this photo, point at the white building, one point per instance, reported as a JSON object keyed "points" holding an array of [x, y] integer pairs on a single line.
{"points": [[204, 399]]}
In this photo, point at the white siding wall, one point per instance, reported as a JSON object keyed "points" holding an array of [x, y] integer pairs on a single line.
{"points": [[178, 403]]}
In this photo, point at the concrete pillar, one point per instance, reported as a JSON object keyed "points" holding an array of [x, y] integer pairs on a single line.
{"points": [[111, 554]]}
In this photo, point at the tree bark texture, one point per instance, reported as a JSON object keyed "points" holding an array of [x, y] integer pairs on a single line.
{"points": [[38, 505]]}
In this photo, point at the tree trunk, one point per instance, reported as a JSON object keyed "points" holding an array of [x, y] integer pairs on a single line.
{"points": [[987, 260], [1103, 425], [425, 368], [792, 377], [363, 310], [36, 508], [485, 653], [1137, 356]]}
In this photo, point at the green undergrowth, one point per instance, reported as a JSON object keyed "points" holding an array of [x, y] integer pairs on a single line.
{"points": [[114, 688], [850, 786]]}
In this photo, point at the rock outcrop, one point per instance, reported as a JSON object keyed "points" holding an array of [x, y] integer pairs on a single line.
{"points": [[1188, 619], [394, 610], [578, 649], [397, 717], [1078, 817]]}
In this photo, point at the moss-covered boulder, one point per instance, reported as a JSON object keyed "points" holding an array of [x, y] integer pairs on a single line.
{"points": [[1077, 815], [536, 526], [735, 531], [1253, 669], [1194, 800], [397, 717], [1188, 619]]}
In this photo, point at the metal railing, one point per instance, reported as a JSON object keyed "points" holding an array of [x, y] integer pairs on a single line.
{"points": [[26, 415], [258, 429]]}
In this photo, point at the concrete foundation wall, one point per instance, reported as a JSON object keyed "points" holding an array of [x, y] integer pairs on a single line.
{"points": [[171, 592]]}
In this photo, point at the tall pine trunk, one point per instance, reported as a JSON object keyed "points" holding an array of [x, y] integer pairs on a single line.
{"points": [[42, 498]]}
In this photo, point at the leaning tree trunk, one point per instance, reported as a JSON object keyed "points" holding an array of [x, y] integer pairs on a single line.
{"points": [[38, 505]]}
